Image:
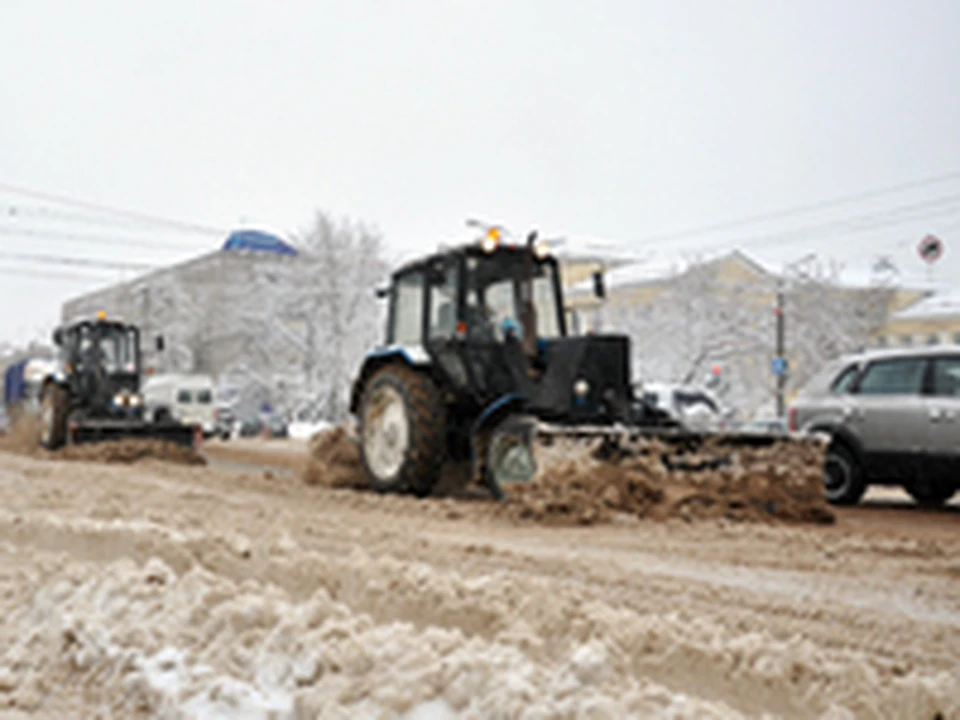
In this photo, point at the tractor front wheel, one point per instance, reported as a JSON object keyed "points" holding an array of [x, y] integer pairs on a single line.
{"points": [[402, 431], [510, 458], [53, 417]]}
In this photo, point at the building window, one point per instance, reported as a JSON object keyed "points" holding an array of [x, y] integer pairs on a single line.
{"points": [[956, 338], [906, 340], [933, 339], [881, 341]]}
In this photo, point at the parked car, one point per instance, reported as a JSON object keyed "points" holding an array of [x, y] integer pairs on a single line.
{"points": [[689, 406], [223, 422], [894, 419], [268, 424], [249, 426], [277, 427]]}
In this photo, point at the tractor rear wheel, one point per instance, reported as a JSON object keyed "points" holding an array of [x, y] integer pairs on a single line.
{"points": [[402, 431], [53, 417]]}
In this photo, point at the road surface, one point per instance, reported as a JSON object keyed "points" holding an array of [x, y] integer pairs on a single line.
{"points": [[220, 591]]}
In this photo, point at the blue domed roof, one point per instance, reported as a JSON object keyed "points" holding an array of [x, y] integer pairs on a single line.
{"points": [[258, 241]]}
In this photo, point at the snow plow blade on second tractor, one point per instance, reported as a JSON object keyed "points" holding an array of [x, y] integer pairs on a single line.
{"points": [[478, 370]]}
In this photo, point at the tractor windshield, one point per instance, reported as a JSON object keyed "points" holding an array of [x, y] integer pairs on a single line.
{"points": [[111, 347], [494, 296]]}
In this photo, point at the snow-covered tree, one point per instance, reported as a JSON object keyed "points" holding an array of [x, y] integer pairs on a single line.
{"points": [[697, 321], [700, 319], [317, 314], [825, 318]]}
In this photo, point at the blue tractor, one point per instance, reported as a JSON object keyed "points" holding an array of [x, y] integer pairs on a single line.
{"points": [[478, 367]]}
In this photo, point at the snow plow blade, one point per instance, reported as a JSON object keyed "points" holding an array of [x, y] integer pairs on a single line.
{"points": [[726, 474], [92, 431]]}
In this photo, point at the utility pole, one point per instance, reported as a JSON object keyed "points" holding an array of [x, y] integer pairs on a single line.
{"points": [[779, 359]]}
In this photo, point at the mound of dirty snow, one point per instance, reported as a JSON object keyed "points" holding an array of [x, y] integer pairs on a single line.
{"points": [[580, 485], [334, 460], [24, 439], [385, 638]]}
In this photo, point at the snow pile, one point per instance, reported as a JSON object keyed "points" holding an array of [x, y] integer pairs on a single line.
{"points": [[334, 460], [142, 641], [586, 484], [385, 638], [306, 430], [24, 439]]}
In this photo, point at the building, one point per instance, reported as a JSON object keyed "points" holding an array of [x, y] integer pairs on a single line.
{"points": [[199, 309], [931, 320]]}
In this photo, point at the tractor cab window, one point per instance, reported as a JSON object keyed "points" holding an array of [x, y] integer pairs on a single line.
{"points": [[406, 326], [494, 298], [443, 301], [545, 300], [118, 350]]}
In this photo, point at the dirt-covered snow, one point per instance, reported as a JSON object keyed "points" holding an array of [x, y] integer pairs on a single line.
{"points": [[164, 590]]}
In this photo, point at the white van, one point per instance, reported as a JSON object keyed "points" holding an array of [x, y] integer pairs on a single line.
{"points": [[188, 398]]}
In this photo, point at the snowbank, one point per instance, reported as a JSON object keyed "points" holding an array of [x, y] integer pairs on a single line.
{"points": [[382, 638], [305, 430]]}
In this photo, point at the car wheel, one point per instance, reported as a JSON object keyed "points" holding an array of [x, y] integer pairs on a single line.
{"points": [[842, 477]]}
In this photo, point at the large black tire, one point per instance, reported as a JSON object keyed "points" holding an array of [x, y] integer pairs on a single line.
{"points": [[54, 406], [403, 420], [844, 483], [930, 496]]}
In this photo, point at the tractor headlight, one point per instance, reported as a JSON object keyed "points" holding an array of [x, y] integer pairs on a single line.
{"points": [[541, 250], [135, 401], [119, 400], [581, 387]]}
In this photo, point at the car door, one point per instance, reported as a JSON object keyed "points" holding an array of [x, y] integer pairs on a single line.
{"points": [[890, 415], [943, 413]]}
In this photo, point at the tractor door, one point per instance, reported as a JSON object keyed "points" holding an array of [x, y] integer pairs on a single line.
{"points": [[445, 324]]}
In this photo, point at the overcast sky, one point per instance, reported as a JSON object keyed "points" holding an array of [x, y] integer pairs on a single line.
{"points": [[619, 120]]}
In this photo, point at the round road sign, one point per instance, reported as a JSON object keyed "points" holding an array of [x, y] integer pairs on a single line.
{"points": [[930, 249]]}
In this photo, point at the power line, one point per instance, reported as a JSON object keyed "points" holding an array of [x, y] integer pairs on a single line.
{"points": [[944, 206], [48, 275], [17, 211], [800, 209], [77, 262], [62, 236], [132, 214], [869, 221]]}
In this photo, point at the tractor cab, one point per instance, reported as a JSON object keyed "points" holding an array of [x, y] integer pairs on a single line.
{"points": [[101, 362], [490, 318]]}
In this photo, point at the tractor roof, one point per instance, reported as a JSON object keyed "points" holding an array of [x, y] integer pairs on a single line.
{"points": [[92, 322], [462, 250]]}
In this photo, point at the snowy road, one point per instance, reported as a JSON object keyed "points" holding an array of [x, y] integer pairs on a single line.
{"points": [[163, 590]]}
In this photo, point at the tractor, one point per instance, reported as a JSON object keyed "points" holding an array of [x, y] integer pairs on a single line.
{"points": [[478, 366], [93, 393]]}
